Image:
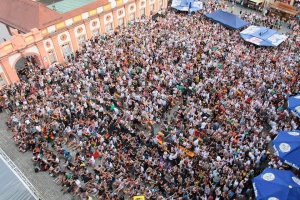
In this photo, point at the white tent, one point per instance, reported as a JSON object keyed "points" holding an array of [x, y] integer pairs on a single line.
{"points": [[11, 185]]}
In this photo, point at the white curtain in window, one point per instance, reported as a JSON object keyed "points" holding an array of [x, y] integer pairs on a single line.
{"points": [[81, 39], [152, 7], [160, 5], [132, 16], [108, 27], [51, 56], [66, 49], [95, 33], [121, 22]]}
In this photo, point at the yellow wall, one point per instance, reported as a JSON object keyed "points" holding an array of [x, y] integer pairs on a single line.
{"points": [[77, 18]]}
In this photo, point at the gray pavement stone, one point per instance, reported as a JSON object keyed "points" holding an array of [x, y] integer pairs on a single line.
{"points": [[43, 183]]}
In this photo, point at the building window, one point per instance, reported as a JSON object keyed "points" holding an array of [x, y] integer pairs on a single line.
{"points": [[67, 52], [142, 12], [132, 16], [95, 32], [81, 39], [108, 27], [161, 5], [51, 56], [121, 22], [2, 82], [152, 7], [66, 49]]}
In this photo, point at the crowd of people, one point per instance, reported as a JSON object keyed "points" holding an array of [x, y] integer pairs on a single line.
{"points": [[265, 18], [177, 108]]}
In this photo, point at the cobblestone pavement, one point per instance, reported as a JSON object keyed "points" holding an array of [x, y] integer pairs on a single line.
{"points": [[43, 183]]}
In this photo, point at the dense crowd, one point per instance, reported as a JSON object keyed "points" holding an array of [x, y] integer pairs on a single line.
{"points": [[177, 108]]}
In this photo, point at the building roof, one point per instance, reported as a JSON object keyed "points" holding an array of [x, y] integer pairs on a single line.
{"points": [[27, 14], [24, 14], [62, 6]]}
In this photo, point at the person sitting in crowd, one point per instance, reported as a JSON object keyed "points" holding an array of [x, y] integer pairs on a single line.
{"points": [[174, 108]]}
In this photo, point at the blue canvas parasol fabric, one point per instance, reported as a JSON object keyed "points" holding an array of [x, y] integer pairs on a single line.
{"points": [[262, 36], [227, 19], [294, 105], [287, 147], [274, 184], [187, 5]]}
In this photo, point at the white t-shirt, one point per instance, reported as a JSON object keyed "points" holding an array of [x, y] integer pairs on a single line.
{"points": [[77, 182], [79, 133]]}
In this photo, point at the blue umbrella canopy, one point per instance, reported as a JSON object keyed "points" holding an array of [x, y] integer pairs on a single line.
{"points": [[294, 105], [287, 147], [262, 36], [293, 102], [274, 184]]}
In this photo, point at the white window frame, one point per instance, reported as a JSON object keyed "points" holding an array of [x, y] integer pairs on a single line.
{"points": [[121, 22], [132, 16], [66, 51], [152, 7], [161, 4], [81, 39], [95, 32], [143, 11], [108, 27]]}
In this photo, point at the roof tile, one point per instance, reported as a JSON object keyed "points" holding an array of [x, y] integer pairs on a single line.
{"points": [[27, 14]]}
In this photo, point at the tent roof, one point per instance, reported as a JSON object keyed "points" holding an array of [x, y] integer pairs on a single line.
{"points": [[227, 19], [12, 186], [262, 36], [27, 14]]}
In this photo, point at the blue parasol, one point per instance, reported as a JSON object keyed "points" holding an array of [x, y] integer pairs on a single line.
{"points": [[294, 105], [287, 147], [274, 184]]}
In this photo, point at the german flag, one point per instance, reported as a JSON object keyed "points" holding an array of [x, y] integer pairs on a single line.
{"points": [[160, 137]]}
